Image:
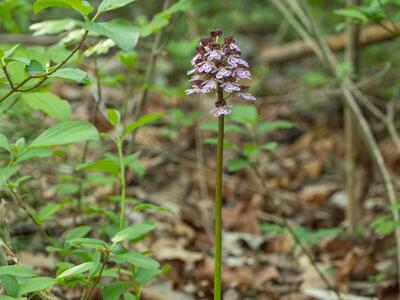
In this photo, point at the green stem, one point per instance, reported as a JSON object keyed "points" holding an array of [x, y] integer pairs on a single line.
{"points": [[123, 184], [218, 208]]}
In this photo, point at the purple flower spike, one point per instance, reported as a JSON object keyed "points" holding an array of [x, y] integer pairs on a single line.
{"points": [[217, 66]]}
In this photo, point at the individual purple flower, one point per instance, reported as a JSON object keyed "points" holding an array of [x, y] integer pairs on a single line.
{"points": [[218, 66], [207, 67], [231, 87], [208, 86], [242, 73], [221, 110], [247, 96], [222, 72], [214, 54]]}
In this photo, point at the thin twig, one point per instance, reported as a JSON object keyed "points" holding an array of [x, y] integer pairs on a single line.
{"points": [[43, 77]]}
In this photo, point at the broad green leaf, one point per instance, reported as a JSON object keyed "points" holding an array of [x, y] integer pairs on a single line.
{"points": [[66, 133], [237, 164], [76, 270], [87, 243], [144, 276], [107, 5], [272, 228], [6, 173], [3, 141], [141, 122], [114, 116], [123, 33], [17, 271], [10, 51], [137, 259], [105, 165], [10, 284], [271, 146], [34, 153], [48, 211], [274, 125], [128, 59], [35, 284], [132, 233], [129, 296], [352, 13], [78, 232], [35, 68], [83, 7], [114, 290], [74, 74], [49, 103], [53, 26], [245, 114], [3, 297]]}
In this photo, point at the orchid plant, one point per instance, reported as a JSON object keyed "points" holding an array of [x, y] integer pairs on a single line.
{"points": [[218, 68]]}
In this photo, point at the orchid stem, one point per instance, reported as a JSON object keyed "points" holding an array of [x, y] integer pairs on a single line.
{"points": [[218, 214]]}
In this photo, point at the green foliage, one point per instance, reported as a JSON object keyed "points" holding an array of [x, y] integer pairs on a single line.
{"points": [[83, 7], [162, 19], [124, 34], [107, 5], [66, 133], [301, 234], [49, 103]]}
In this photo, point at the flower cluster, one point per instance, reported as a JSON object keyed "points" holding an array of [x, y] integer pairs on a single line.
{"points": [[218, 67]]}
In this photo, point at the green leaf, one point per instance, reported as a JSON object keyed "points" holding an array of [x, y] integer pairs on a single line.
{"points": [[76, 270], [83, 7], [34, 153], [271, 146], [129, 296], [272, 228], [87, 243], [114, 116], [66, 133], [17, 271], [114, 290], [35, 68], [3, 141], [123, 33], [78, 232], [105, 165], [132, 233], [53, 26], [274, 125], [50, 104], [48, 211], [10, 51], [10, 284], [141, 122], [137, 259], [245, 114], [35, 284], [74, 74], [2, 297], [144, 276], [237, 164], [6, 173], [352, 13], [107, 5]]}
